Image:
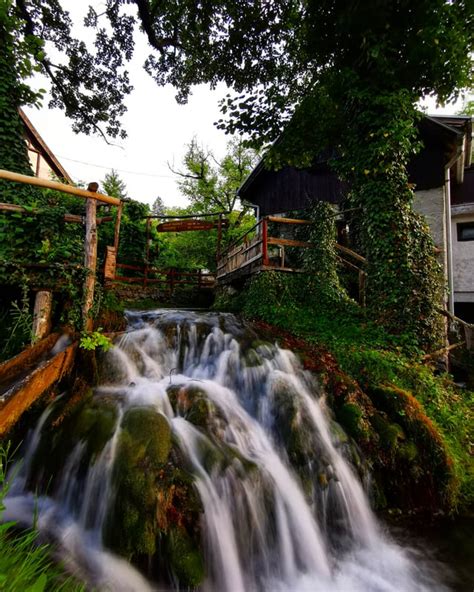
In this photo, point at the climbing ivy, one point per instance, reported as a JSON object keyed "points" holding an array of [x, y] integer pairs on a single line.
{"points": [[404, 278], [320, 260]]}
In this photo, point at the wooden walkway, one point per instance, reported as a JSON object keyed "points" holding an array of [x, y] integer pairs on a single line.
{"points": [[257, 250]]}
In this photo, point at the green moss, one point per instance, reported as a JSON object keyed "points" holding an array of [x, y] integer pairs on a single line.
{"points": [[185, 559], [389, 433], [408, 451], [192, 403], [150, 432], [349, 415], [95, 425]]}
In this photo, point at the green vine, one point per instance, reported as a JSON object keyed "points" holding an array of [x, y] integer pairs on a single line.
{"points": [[404, 278]]}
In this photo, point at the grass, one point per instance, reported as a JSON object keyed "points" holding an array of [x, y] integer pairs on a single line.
{"points": [[372, 357], [25, 565]]}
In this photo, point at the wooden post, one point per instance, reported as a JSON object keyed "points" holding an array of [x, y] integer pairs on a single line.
{"points": [[90, 259], [219, 237], [110, 266], [362, 278], [147, 251], [42, 314], [171, 281], [265, 241], [117, 228]]}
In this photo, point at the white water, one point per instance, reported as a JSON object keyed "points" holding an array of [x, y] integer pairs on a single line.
{"points": [[265, 526]]}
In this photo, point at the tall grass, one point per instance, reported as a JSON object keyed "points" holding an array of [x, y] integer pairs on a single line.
{"points": [[26, 565]]}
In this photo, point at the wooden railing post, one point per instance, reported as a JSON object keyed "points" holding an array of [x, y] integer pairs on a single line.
{"points": [[362, 277], [90, 258], [265, 241], [117, 228], [171, 281]]}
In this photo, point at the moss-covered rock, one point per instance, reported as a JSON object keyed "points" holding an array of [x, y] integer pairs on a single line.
{"points": [[156, 512], [430, 479], [185, 559], [192, 403]]}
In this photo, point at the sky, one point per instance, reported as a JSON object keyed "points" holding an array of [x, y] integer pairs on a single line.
{"points": [[158, 130]]}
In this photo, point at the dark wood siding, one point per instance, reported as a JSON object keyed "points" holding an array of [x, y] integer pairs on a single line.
{"points": [[295, 189]]}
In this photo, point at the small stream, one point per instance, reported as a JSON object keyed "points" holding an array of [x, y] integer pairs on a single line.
{"points": [[220, 449]]}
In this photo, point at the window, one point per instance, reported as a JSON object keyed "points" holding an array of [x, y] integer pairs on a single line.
{"points": [[465, 231]]}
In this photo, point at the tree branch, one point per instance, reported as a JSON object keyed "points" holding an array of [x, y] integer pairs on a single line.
{"points": [[146, 18]]}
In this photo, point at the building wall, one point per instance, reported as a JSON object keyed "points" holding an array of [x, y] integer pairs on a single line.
{"points": [[430, 203], [463, 255], [41, 170]]}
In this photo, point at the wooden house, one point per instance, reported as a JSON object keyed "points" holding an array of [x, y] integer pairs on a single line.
{"points": [[444, 193], [44, 163]]}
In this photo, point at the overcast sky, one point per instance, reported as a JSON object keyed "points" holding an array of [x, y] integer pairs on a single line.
{"points": [[158, 131]]}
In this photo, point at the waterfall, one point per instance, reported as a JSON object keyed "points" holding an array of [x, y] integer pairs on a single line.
{"points": [[210, 459]]}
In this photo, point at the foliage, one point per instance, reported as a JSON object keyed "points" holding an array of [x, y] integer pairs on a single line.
{"points": [[88, 84], [114, 186], [321, 259], [211, 185], [158, 207], [404, 279], [18, 324], [92, 340], [24, 563], [372, 357]]}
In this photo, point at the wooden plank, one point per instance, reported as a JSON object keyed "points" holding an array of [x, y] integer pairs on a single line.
{"points": [[281, 268], [24, 393], [287, 220], [185, 226], [26, 179], [117, 228], [265, 241], [26, 358], [288, 242], [351, 253]]}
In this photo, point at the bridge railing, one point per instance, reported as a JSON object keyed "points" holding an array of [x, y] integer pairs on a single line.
{"points": [[256, 246], [167, 279]]}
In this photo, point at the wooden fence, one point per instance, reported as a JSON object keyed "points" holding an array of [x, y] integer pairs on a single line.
{"points": [[257, 250], [167, 279]]}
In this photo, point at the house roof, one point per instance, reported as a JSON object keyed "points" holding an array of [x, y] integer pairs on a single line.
{"points": [[291, 188], [37, 141]]}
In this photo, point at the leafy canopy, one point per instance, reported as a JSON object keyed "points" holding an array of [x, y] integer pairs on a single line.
{"points": [[277, 55], [211, 185]]}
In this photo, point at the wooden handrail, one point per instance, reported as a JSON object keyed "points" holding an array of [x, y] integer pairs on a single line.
{"points": [[73, 218], [287, 220], [237, 241], [351, 253], [47, 184], [287, 242]]}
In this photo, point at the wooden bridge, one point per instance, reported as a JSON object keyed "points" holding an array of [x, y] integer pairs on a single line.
{"points": [[257, 250], [165, 279]]}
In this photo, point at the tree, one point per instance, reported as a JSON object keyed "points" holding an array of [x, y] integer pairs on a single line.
{"points": [[158, 207], [113, 185], [343, 75], [211, 185]]}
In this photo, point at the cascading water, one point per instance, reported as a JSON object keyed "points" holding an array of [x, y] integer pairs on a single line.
{"points": [[210, 459]]}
